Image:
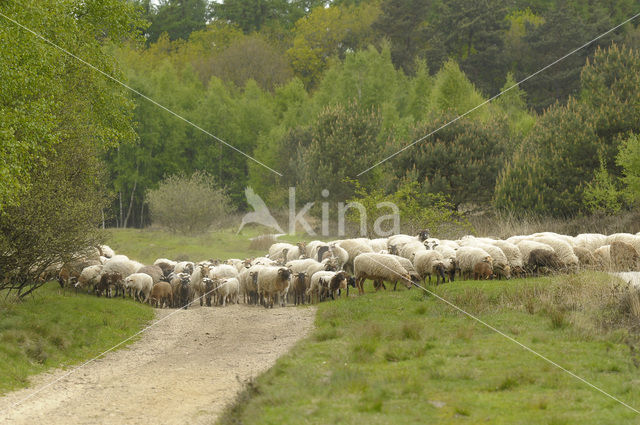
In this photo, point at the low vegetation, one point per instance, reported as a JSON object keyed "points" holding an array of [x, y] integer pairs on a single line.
{"points": [[406, 357], [54, 328]]}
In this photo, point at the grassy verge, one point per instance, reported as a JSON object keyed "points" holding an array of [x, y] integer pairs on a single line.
{"points": [[405, 358], [53, 329], [147, 245]]}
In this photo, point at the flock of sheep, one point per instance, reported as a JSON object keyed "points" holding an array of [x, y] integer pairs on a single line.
{"points": [[318, 270]]}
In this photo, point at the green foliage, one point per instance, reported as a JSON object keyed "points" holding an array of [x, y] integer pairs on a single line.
{"points": [[417, 209], [343, 143], [461, 160], [177, 18], [453, 92], [188, 204], [56, 117], [327, 34], [601, 195], [629, 159]]}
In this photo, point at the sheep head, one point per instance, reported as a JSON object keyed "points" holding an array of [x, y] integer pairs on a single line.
{"points": [[284, 273]]}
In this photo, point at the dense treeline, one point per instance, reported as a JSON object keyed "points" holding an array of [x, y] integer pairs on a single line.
{"points": [[321, 91]]}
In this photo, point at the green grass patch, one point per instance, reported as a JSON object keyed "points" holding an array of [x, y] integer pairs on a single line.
{"points": [[147, 245], [400, 357], [52, 329]]}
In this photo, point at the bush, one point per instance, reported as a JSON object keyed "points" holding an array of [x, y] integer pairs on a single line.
{"points": [[188, 204]]}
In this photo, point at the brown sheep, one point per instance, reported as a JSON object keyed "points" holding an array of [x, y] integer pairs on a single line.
{"points": [[299, 288], [181, 290], [624, 257], [543, 259], [482, 271], [108, 281], [166, 268], [337, 283], [161, 294]]}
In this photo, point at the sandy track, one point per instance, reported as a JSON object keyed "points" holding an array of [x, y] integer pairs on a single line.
{"points": [[185, 370]]}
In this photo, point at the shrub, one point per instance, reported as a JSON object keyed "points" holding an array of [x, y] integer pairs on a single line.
{"points": [[188, 204]]}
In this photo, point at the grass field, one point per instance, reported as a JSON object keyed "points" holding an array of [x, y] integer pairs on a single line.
{"points": [[148, 245], [52, 329], [401, 357]]}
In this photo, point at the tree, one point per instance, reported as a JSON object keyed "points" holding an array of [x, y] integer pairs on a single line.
{"points": [[461, 160], [52, 100], [178, 18], [404, 24], [252, 58], [188, 204], [326, 34], [601, 195], [344, 142], [472, 33], [629, 160]]}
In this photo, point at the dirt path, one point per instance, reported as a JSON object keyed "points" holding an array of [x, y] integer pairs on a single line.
{"points": [[185, 370]]}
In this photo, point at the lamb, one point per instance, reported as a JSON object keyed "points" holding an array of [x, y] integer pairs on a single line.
{"points": [[430, 262], [141, 284], [340, 254], [500, 264], [325, 283], [379, 268], [299, 288], [108, 281], [227, 290], [482, 271], [468, 256], [89, 276], [271, 282], [354, 248], [154, 271], [624, 257], [196, 281], [161, 294], [248, 291]]}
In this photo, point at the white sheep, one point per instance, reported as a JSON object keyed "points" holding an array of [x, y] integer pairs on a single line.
{"points": [[379, 244], [526, 246], [106, 251], [410, 249], [354, 247], [228, 290], [379, 268], [590, 241], [325, 283], [184, 267], [263, 261], [122, 265], [276, 250], [562, 248], [468, 256], [603, 257], [197, 284], [222, 271], [625, 237], [140, 284], [272, 282], [430, 262], [500, 263], [89, 276], [513, 254]]}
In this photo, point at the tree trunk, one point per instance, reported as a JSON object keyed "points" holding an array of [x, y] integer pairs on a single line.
{"points": [[133, 192], [121, 214]]}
